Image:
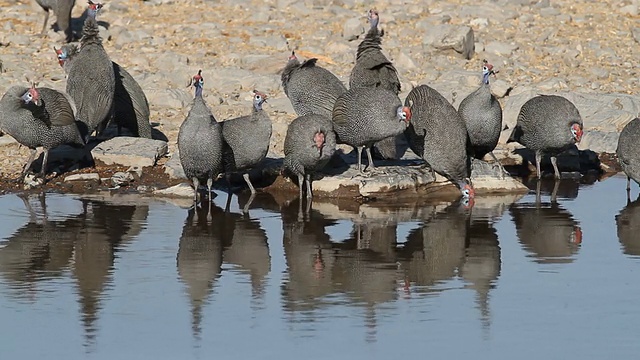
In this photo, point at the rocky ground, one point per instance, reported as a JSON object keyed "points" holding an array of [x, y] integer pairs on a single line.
{"points": [[583, 50]]}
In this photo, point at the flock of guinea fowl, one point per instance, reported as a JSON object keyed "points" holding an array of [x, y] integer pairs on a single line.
{"points": [[367, 115]]}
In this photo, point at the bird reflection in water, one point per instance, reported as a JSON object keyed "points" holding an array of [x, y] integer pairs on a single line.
{"points": [[83, 244], [628, 227], [547, 231]]}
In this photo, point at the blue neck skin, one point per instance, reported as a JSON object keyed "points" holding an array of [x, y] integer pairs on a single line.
{"points": [[198, 91], [485, 78]]}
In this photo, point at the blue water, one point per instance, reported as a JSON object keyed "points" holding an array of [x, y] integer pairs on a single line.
{"points": [[134, 278]]}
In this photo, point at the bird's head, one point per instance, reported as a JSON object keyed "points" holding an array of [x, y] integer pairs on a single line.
{"points": [[32, 96], [404, 114], [93, 9], [576, 235], [62, 54], [487, 70], [259, 98], [293, 56], [373, 17], [319, 139], [576, 132]]}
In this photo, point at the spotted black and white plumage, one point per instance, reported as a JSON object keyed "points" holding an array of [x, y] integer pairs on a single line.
{"points": [[363, 116], [246, 140], [39, 117], [548, 124], [310, 88], [308, 146], [482, 115], [91, 80], [438, 134], [628, 151], [200, 142]]}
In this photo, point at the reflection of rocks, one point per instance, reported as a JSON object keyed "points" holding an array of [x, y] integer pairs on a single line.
{"points": [[199, 258], [547, 231], [628, 224], [46, 249]]}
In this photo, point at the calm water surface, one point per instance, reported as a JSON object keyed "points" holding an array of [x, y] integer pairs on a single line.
{"points": [[129, 278]]}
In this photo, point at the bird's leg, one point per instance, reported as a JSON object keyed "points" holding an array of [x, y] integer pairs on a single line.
{"points": [[209, 186], [628, 184], [554, 193], [359, 149], [538, 184], [502, 170], [538, 159], [309, 193], [370, 159], [300, 184], [196, 185], [554, 162], [46, 20], [248, 181], [227, 177], [27, 166], [227, 206], [245, 210], [43, 169]]}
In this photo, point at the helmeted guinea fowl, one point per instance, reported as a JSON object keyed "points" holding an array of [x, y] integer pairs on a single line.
{"points": [[628, 151], [373, 69], [246, 140], [363, 116], [91, 80], [131, 106], [547, 124], [308, 146], [482, 115], [62, 11], [39, 117], [438, 134], [310, 88], [200, 142]]}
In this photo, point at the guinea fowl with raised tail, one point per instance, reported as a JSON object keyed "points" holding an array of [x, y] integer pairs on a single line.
{"points": [[438, 134], [39, 117], [310, 88], [363, 116], [308, 146], [372, 68], [246, 140], [482, 115], [200, 142], [91, 81], [628, 151], [62, 10], [131, 107], [547, 124]]}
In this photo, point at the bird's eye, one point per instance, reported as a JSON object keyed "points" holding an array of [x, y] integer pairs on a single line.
{"points": [[258, 97], [465, 192], [403, 115], [485, 69], [29, 96]]}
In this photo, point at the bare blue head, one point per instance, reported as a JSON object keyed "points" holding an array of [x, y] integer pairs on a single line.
{"points": [[259, 98], [198, 82], [487, 70], [374, 18], [93, 9]]}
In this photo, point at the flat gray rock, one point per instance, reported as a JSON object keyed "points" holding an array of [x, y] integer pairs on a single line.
{"points": [[129, 151], [183, 190], [83, 177]]}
